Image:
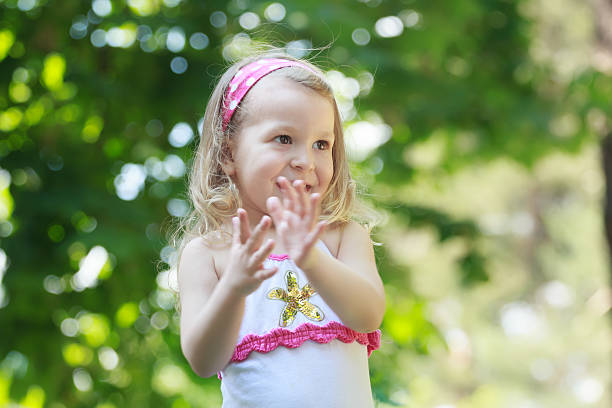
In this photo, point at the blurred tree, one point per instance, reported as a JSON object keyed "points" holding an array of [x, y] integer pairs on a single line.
{"points": [[603, 11]]}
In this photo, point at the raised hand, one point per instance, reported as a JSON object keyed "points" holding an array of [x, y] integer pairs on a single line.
{"points": [[296, 220], [245, 270]]}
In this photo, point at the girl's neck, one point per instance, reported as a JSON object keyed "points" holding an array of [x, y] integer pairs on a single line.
{"points": [[270, 234]]}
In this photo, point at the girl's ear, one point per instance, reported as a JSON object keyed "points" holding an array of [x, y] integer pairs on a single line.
{"points": [[227, 161]]}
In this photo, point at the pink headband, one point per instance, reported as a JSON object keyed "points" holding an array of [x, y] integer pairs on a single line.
{"points": [[248, 76]]}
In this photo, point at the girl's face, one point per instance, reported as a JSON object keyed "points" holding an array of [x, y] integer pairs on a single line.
{"points": [[287, 130]]}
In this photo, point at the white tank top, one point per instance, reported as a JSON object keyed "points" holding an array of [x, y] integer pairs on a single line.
{"points": [[294, 351]]}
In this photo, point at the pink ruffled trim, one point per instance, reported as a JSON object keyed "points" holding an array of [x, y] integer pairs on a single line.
{"points": [[307, 331], [278, 257]]}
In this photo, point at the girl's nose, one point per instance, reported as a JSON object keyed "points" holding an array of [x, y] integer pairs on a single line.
{"points": [[303, 161]]}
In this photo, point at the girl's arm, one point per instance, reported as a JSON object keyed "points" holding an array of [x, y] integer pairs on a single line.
{"points": [[211, 312], [212, 308], [350, 284]]}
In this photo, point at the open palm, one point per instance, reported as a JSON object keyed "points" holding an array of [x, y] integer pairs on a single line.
{"points": [[296, 220]]}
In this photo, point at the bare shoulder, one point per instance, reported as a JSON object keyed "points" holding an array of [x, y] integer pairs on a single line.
{"points": [[196, 254], [354, 238], [331, 238], [196, 277], [347, 237]]}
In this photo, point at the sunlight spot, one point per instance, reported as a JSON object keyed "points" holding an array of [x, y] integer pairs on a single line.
{"points": [[90, 267], [275, 12], [180, 135], [92, 128], [127, 314], [218, 19], [26, 5], [174, 166], [130, 181], [69, 327], [98, 38], [360, 36], [199, 41], [363, 137], [53, 71], [108, 358], [76, 354], [159, 320], [35, 398], [102, 7], [588, 390], [248, 20], [410, 18], [169, 379], [19, 92], [519, 319], [7, 38], [95, 328], [178, 65], [557, 294], [388, 27], [299, 48], [144, 7], [10, 119], [82, 379], [123, 36], [238, 46], [177, 207], [175, 41]]}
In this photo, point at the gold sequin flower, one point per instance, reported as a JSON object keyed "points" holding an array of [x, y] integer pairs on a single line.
{"points": [[296, 300]]}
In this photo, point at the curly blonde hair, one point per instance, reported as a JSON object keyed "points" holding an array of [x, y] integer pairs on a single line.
{"points": [[212, 194]]}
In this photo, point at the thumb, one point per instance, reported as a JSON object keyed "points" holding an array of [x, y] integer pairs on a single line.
{"points": [[264, 274]]}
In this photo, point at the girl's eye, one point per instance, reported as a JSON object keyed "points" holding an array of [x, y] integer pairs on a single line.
{"points": [[322, 144], [283, 139]]}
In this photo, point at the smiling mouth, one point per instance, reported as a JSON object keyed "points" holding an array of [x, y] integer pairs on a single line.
{"points": [[308, 187]]}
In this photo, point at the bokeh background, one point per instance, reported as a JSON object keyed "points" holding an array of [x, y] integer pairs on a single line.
{"points": [[480, 128]]}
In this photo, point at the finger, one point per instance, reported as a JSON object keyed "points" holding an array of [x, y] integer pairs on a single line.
{"points": [[245, 230], [299, 191], [291, 219], [306, 202], [311, 215], [293, 196], [275, 209], [264, 274], [262, 253], [315, 202], [286, 192], [235, 231], [314, 235], [283, 228], [258, 233]]}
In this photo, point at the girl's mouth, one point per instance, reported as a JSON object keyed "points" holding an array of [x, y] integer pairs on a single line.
{"points": [[308, 187]]}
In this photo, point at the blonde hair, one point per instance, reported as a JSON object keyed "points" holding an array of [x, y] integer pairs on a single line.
{"points": [[212, 194]]}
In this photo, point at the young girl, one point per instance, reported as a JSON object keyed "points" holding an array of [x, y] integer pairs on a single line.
{"points": [[293, 328]]}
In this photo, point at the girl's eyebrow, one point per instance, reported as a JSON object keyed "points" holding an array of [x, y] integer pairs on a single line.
{"points": [[280, 126]]}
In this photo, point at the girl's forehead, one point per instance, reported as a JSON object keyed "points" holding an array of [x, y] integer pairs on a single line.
{"points": [[275, 94], [275, 84]]}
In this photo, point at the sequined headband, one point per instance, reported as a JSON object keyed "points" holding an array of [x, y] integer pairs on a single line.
{"points": [[248, 76]]}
